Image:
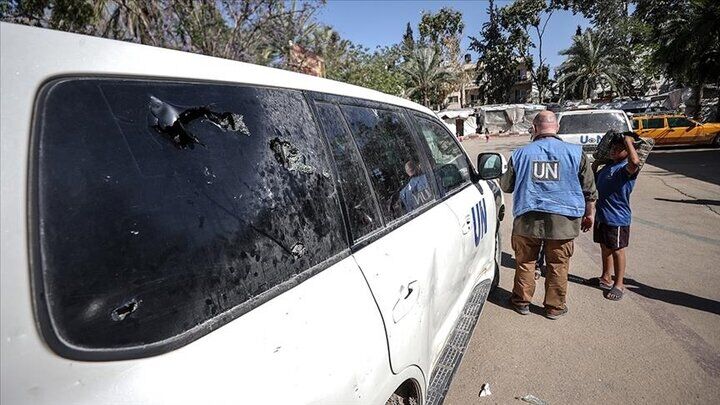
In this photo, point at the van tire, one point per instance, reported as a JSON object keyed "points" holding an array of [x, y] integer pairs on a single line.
{"points": [[716, 140]]}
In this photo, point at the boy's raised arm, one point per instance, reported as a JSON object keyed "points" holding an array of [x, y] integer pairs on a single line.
{"points": [[633, 159]]}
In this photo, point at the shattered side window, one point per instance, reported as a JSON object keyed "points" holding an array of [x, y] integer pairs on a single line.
{"points": [[364, 217], [164, 205], [448, 161], [392, 160]]}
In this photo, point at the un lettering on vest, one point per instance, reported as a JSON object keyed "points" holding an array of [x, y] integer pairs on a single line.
{"points": [[479, 217], [545, 170]]}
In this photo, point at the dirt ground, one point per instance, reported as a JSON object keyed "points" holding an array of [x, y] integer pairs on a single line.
{"points": [[660, 344]]}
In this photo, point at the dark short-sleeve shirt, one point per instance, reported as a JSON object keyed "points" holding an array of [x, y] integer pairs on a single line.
{"points": [[614, 185]]}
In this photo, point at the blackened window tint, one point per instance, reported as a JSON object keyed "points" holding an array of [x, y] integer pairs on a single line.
{"points": [[448, 161], [364, 217], [675, 122], [392, 160], [655, 123], [164, 205]]}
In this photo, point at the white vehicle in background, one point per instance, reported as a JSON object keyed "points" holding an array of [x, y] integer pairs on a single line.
{"points": [[182, 229], [587, 127]]}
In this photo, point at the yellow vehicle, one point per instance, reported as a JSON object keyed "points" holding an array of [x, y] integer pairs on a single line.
{"points": [[676, 129]]}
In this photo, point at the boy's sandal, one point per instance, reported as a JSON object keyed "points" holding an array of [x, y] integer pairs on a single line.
{"points": [[615, 294], [596, 282]]}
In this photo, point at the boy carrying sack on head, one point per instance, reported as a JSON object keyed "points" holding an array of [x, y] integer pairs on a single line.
{"points": [[615, 182]]}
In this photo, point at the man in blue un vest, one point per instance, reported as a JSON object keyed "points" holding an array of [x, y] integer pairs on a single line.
{"points": [[553, 199]]}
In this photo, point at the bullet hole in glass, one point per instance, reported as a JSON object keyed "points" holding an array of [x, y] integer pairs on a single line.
{"points": [[124, 310], [298, 250], [172, 122], [289, 157]]}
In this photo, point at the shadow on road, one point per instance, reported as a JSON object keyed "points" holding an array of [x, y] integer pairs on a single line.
{"points": [[673, 297], [701, 165], [507, 260], [670, 296], [696, 202], [501, 298]]}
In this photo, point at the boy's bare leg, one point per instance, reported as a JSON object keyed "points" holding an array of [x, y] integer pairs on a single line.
{"points": [[618, 257], [607, 264]]}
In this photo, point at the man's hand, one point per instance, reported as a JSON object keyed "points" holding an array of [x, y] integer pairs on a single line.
{"points": [[587, 223]]}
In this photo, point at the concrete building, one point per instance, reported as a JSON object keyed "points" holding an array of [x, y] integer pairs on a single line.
{"points": [[468, 95]]}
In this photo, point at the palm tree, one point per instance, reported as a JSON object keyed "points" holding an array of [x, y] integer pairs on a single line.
{"points": [[592, 62], [426, 74]]}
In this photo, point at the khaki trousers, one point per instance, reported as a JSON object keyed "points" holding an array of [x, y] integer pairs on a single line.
{"points": [[557, 260]]}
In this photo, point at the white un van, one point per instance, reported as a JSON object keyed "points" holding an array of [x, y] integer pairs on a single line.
{"points": [[181, 229], [587, 127]]}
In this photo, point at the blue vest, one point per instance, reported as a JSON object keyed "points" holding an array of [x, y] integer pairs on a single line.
{"points": [[547, 178]]}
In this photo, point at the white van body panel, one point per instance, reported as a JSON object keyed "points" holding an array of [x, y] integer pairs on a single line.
{"points": [[291, 349], [320, 342], [408, 271], [273, 354], [590, 138], [476, 258]]}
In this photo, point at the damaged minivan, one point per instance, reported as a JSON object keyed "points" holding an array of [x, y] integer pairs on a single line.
{"points": [[184, 229]]}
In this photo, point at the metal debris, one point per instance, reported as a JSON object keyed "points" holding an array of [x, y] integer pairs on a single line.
{"points": [[532, 399], [485, 391]]}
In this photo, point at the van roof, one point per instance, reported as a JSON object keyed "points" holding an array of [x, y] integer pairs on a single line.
{"points": [[590, 111], [38, 54]]}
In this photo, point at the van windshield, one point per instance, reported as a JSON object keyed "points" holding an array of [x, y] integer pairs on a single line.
{"points": [[592, 123]]}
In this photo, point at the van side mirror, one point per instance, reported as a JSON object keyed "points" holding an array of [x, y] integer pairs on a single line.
{"points": [[491, 165]]}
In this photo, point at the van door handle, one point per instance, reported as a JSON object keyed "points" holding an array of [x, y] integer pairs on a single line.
{"points": [[408, 298]]}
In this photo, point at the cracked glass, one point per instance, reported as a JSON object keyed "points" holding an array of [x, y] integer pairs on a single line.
{"points": [[163, 206]]}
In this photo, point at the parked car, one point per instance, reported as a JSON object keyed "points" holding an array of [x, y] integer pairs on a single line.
{"points": [[676, 129], [587, 127], [186, 229]]}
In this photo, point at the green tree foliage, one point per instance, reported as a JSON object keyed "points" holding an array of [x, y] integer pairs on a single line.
{"points": [[519, 19], [592, 62], [426, 75], [258, 31], [442, 31], [437, 28], [378, 70], [408, 40], [686, 38], [496, 64]]}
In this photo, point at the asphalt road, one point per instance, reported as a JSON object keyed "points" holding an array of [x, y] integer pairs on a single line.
{"points": [[659, 345]]}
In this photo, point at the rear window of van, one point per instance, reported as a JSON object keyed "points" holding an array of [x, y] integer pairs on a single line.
{"points": [[163, 210], [593, 123]]}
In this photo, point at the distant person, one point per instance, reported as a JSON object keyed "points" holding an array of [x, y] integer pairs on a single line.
{"points": [[553, 199], [615, 182], [417, 190]]}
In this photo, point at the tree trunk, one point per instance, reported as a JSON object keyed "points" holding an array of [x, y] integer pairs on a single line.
{"points": [[698, 101]]}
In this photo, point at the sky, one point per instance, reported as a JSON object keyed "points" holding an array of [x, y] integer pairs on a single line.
{"points": [[375, 23]]}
